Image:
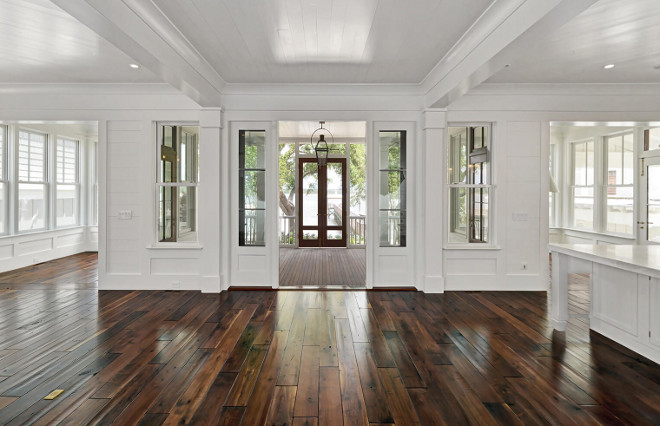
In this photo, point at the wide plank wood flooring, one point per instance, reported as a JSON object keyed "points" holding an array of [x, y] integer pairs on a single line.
{"points": [[304, 357], [323, 267]]}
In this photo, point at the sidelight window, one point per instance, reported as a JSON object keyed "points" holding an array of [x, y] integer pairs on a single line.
{"points": [[392, 188], [251, 187]]}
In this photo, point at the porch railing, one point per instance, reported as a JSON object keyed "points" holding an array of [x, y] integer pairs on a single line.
{"points": [[357, 230], [287, 228]]}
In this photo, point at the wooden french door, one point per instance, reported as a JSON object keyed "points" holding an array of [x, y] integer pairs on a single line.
{"points": [[322, 203]]}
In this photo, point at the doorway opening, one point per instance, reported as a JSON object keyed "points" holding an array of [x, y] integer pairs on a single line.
{"points": [[322, 207]]}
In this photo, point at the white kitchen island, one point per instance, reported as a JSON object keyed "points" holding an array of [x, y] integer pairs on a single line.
{"points": [[625, 292]]}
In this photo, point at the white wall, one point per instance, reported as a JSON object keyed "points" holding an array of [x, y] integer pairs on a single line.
{"points": [[521, 115], [129, 259]]}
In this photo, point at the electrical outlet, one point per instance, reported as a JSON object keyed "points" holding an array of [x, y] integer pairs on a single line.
{"points": [[176, 285], [36, 260], [523, 266]]}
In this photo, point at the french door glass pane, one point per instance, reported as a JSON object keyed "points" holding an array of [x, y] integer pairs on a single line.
{"points": [[334, 194], [310, 194], [31, 206], [310, 234]]}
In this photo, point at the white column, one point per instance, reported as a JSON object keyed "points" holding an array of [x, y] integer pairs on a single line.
{"points": [[210, 142], [432, 190], [559, 291]]}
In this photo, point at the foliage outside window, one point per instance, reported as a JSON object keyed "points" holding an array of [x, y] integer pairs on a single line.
{"points": [[582, 155], [619, 183], [178, 179], [67, 182], [251, 187], [392, 188], [32, 181], [469, 183]]}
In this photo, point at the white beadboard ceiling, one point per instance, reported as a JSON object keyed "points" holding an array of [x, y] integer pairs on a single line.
{"points": [[438, 48], [40, 43], [323, 41], [625, 33]]}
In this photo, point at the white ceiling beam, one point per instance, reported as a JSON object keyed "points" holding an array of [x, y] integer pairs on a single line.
{"points": [[143, 32], [506, 30]]}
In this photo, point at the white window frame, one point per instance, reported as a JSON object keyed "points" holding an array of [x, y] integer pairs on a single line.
{"points": [[606, 185], [573, 186], [75, 183], [4, 181], [160, 184], [490, 186], [45, 181]]}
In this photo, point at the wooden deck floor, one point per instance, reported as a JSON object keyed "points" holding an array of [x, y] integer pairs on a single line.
{"points": [[322, 267], [304, 357]]}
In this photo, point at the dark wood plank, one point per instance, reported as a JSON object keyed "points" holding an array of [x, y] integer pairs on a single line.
{"points": [[330, 411], [385, 356]]}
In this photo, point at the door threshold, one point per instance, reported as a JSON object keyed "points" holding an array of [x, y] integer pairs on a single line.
{"points": [[322, 287]]}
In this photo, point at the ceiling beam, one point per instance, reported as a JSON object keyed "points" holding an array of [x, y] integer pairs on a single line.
{"points": [[140, 29], [505, 31]]}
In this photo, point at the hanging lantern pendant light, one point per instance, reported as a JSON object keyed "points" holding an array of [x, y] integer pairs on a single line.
{"points": [[321, 148]]}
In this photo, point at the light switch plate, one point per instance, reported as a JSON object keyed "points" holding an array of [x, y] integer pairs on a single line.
{"points": [[125, 214]]}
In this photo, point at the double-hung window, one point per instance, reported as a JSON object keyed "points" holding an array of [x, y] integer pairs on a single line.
{"points": [[67, 187], [3, 180], [32, 181], [178, 178], [469, 183], [619, 183], [582, 188]]}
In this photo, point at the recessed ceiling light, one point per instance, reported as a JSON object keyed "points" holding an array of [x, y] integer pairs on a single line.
{"points": [[609, 66], [134, 66], [657, 67]]}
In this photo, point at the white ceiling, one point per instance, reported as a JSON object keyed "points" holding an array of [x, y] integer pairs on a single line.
{"points": [[436, 47], [323, 41], [40, 43], [621, 32]]}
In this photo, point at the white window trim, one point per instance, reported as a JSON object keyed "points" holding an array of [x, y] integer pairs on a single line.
{"points": [[491, 244], [45, 181], [605, 167], [156, 196], [76, 183]]}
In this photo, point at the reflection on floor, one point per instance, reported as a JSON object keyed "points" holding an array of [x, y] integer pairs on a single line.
{"points": [[322, 267], [305, 357]]}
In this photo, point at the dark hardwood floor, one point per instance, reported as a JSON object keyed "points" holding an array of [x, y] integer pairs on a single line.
{"points": [[323, 267], [304, 357]]}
